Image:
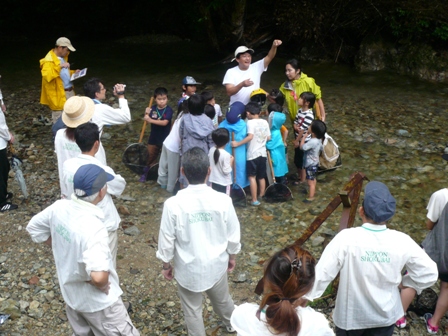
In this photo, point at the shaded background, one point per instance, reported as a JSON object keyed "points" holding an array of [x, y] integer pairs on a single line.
{"points": [[325, 29]]}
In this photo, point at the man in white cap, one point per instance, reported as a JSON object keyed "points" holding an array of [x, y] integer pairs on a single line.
{"points": [[56, 84], [370, 260], [79, 240], [241, 80]]}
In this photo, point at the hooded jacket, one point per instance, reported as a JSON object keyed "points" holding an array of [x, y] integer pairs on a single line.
{"points": [[276, 146], [196, 131], [239, 129], [53, 93], [293, 89]]}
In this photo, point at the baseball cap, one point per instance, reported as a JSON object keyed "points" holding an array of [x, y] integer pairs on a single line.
{"points": [[378, 204], [65, 42], [189, 81], [89, 179], [235, 112], [242, 50]]}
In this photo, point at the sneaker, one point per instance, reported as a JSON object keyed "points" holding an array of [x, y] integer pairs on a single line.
{"points": [[7, 206], [144, 175], [9, 196], [255, 203], [308, 200], [401, 323], [128, 307], [230, 329], [430, 328]]}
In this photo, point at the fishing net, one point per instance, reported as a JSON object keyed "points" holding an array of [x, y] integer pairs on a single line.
{"points": [[135, 157], [277, 192]]}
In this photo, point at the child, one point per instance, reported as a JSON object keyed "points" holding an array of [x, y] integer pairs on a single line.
{"points": [[210, 112], [276, 145], [188, 89], [221, 162], [303, 120], [312, 151], [257, 134], [276, 96], [238, 128], [195, 129], [169, 164], [159, 116], [210, 99]]}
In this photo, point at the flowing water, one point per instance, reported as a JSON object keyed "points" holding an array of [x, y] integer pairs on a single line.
{"points": [[392, 128]]}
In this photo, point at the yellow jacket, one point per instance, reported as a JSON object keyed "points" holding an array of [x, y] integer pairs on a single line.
{"points": [[53, 93]]}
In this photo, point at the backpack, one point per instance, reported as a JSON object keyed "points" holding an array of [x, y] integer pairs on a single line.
{"points": [[330, 154]]}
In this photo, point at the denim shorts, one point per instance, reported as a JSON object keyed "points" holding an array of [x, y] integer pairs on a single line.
{"points": [[311, 172]]}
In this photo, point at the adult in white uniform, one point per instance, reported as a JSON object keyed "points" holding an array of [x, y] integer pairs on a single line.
{"points": [[287, 277], [79, 241], [369, 260], [87, 138], [241, 80], [105, 114], [201, 232]]}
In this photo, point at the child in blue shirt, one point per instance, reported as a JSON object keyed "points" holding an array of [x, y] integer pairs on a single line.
{"points": [[276, 145], [312, 151]]}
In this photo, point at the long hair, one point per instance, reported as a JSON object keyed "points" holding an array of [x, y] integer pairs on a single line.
{"points": [[288, 276]]}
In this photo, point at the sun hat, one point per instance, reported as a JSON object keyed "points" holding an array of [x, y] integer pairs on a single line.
{"points": [[378, 204], [77, 111], [235, 112], [65, 42], [89, 179], [188, 80], [242, 50]]}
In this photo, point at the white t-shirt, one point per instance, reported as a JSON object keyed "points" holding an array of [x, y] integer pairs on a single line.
{"points": [[257, 146], [246, 323], [172, 141], [217, 115], [221, 173], [436, 204], [235, 76]]}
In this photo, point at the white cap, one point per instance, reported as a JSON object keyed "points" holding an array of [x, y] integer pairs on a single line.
{"points": [[242, 50], [65, 42]]}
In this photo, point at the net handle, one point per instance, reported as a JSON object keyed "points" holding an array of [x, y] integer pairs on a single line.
{"points": [[142, 133]]}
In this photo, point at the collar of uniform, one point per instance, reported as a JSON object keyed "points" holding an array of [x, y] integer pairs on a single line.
{"points": [[96, 101], [88, 206], [374, 227], [202, 186]]}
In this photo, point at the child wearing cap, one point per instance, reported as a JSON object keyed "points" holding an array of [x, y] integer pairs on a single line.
{"points": [[370, 259], [258, 133], [188, 89], [238, 128]]}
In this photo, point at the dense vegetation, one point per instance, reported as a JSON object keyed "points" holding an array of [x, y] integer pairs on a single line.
{"points": [[327, 26]]}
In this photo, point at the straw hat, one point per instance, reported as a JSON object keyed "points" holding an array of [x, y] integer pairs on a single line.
{"points": [[77, 111]]}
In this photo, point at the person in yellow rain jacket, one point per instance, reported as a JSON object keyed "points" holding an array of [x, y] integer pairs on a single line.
{"points": [[56, 84]]}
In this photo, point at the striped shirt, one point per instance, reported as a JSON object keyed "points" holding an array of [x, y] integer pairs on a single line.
{"points": [[304, 120]]}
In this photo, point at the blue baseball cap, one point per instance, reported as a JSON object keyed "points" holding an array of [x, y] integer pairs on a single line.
{"points": [[90, 179], [235, 112], [379, 204]]}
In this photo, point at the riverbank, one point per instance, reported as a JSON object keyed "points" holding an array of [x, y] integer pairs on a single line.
{"points": [[391, 128]]}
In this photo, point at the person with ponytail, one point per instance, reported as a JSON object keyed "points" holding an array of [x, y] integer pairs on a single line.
{"points": [[288, 276], [221, 162]]}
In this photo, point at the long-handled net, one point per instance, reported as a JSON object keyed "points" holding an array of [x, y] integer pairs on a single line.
{"points": [[135, 157]]}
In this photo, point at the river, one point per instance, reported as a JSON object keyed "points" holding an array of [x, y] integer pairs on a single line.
{"points": [[390, 127]]}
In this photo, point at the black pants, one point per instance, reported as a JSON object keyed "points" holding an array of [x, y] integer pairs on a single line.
{"points": [[380, 331], [4, 171]]}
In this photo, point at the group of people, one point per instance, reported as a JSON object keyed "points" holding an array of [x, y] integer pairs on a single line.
{"points": [[199, 230]]}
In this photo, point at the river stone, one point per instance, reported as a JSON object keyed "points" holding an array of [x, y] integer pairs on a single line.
{"points": [[317, 241], [132, 231], [11, 307]]}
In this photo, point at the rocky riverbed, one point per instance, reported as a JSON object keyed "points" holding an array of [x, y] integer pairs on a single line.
{"points": [[391, 129]]}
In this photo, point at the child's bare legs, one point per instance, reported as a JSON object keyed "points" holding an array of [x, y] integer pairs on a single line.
{"points": [[262, 184], [407, 295], [253, 188], [442, 304], [302, 175], [312, 185]]}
